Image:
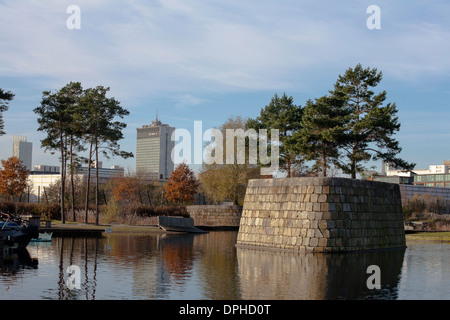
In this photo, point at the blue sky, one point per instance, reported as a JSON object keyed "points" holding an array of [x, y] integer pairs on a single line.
{"points": [[207, 60]]}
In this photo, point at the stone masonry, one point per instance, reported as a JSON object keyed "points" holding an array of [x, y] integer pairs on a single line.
{"points": [[321, 215], [215, 215]]}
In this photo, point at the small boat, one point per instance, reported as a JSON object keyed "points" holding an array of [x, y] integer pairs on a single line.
{"points": [[15, 232], [43, 237]]}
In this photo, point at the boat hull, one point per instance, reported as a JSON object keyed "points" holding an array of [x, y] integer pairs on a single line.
{"points": [[17, 236]]}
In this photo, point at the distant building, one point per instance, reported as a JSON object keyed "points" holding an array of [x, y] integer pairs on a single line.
{"points": [[154, 150], [434, 176], [38, 183], [42, 178], [23, 150], [104, 174], [46, 168]]}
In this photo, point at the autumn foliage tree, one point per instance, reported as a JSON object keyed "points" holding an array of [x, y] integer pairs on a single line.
{"points": [[13, 178], [126, 189], [182, 185]]}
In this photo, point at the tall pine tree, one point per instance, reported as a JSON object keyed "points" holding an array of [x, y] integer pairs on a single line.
{"points": [[55, 116], [101, 131], [371, 126], [5, 98], [322, 131], [282, 114]]}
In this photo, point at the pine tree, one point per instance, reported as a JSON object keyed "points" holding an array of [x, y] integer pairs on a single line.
{"points": [[322, 130], [282, 114], [5, 98], [370, 129], [72, 117], [55, 117], [101, 131]]}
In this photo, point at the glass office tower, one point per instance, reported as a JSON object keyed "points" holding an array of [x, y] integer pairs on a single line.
{"points": [[154, 149], [23, 150]]}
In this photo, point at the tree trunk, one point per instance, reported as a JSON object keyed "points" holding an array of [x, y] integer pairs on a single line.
{"points": [[88, 184], [353, 168], [288, 166], [352, 161], [324, 164], [63, 174], [96, 181], [71, 177]]}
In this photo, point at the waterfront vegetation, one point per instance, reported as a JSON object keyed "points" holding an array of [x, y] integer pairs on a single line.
{"points": [[425, 204], [76, 120], [347, 128], [132, 214]]}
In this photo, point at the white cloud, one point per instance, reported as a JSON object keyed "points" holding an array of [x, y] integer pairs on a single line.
{"points": [[176, 5], [183, 51], [174, 45], [187, 100]]}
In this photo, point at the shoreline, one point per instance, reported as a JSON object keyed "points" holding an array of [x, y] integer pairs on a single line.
{"points": [[115, 228], [436, 236]]}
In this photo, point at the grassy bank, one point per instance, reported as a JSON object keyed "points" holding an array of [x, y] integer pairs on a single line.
{"points": [[429, 236], [115, 228]]}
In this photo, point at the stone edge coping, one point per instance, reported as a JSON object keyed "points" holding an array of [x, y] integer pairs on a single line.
{"points": [[318, 181], [320, 250]]}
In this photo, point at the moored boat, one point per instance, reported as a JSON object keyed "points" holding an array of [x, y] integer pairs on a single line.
{"points": [[43, 237], [15, 232]]}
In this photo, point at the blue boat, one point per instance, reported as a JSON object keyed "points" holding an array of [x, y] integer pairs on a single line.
{"points": [[15, 232]]}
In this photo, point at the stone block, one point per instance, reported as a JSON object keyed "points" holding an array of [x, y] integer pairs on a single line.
{"points": [[313, 242]]}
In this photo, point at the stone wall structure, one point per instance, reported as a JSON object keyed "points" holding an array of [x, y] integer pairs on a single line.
{"points": [[215, 215], [321, 215]]}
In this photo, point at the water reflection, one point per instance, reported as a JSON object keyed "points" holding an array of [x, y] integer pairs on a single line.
{"points": [[163, 266], [82, 252], [209, 266], [275, 275], [12, 263], [217, 265]]}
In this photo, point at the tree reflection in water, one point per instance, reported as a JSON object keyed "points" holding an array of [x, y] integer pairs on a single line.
{"points": [[83, 253], [12, 263], [186, 266]]}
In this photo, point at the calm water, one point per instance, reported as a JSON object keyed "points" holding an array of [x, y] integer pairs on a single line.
{"points": [[209, 266]]}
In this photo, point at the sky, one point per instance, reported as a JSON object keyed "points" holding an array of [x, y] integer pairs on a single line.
{"points": [[208, 60]]}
